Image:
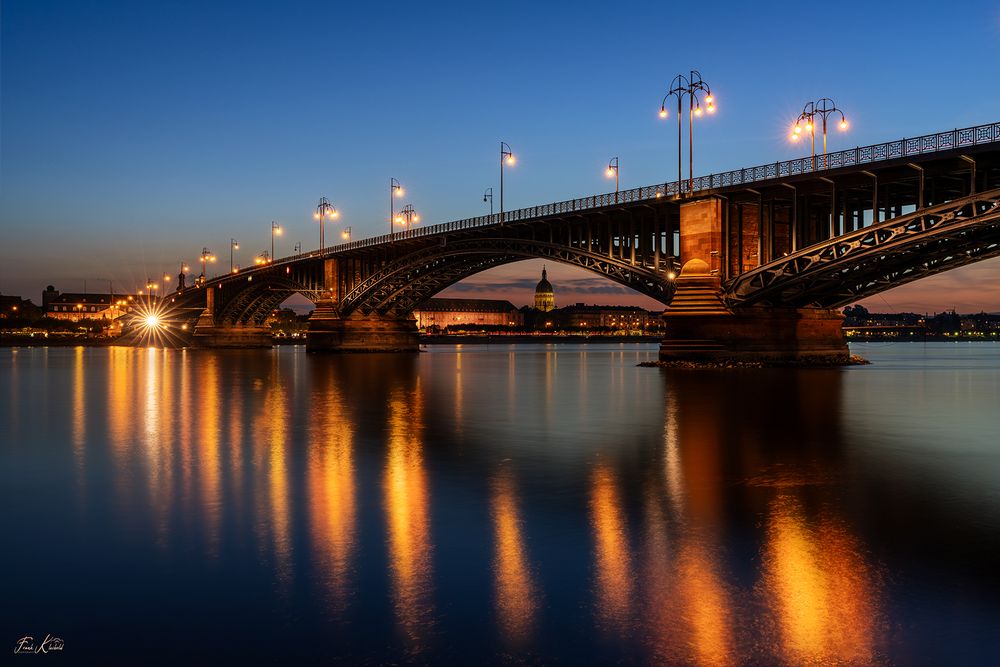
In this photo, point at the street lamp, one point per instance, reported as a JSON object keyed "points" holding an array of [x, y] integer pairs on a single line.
{"points": [[233, 245], [262, 258], [206, 257], [613, 171], [823, 107], [506, 155], [691, 86], [395, 190], [488, 194], [346, 234], [324, 210], [150, 287], [275, 231], [181, 277], [407, 216]]}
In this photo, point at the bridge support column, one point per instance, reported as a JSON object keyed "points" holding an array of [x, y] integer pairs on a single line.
{"points": [[209, 334], [700, 328], [373, 333], [241, 336]]}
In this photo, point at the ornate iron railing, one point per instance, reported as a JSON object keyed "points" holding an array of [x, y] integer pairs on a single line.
{"points": [[931, 143]]}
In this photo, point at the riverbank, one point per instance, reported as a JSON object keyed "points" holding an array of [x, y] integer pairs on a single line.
{"points": [[54, 340]]}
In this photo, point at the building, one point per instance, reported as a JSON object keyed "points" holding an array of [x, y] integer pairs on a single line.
{"points": [[16, 308], [75, 306], [440, 313], [545, 298], [613, 318]]}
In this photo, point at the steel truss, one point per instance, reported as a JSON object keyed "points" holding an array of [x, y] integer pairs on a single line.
{"points": [[876, 258], [411, 279]]}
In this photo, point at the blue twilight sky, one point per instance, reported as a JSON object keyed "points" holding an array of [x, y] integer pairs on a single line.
{"points": [[132, 134]]}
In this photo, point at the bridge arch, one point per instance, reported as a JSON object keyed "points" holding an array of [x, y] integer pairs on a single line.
{"points": [[398, 287], [251, 303]]}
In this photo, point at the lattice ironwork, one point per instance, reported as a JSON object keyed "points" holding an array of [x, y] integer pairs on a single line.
{"points": [[852, 266], [434, 268]]}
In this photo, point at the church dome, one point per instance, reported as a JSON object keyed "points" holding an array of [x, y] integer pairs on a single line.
{"points": [[544, 297], [544, 286]]}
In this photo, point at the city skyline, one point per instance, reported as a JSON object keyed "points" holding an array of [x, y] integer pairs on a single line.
{"points": [[127, 176]]}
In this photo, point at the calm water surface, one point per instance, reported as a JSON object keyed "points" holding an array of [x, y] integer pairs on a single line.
{"points": [[529, 504]]}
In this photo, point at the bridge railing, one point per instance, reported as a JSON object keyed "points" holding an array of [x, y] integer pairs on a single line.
{"points": [[930, 143]]}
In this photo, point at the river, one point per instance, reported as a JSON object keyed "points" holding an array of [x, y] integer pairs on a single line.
{"points": [[525, 504]]}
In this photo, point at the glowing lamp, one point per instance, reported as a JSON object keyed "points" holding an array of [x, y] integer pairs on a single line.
{"points": [[843, 124], [697, 111], [663, 112]]}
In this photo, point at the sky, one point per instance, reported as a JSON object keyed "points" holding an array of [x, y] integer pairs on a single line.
{"points": [[133, 134]]}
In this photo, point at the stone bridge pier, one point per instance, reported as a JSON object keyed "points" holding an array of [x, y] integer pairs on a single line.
{"points": [[700, 326], [208, 333], [331, 331]]}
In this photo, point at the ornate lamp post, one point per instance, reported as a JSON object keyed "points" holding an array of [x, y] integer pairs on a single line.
{"points": [[346, 234], [275, 231], [823, 107], [488, 194], [613, 171], [150, 288], [206, 257], [324, 210], [395, 190], [506, 155], [233, 245], [407, 216], [692, 86]]}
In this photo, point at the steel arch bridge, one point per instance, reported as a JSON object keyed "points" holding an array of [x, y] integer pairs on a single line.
{"points": [[813, 232], [863, 263]]}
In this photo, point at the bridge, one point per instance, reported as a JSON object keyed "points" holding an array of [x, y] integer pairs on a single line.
{"points": [[750, 263]]}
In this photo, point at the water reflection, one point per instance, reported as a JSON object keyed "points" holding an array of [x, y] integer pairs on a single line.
{"points": [[815, 598], [819, 586], [515, 589], [331, 488], [691, 518], [270, 434], [612, 559], [207, 447], [407, 506], [689, 607]]}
